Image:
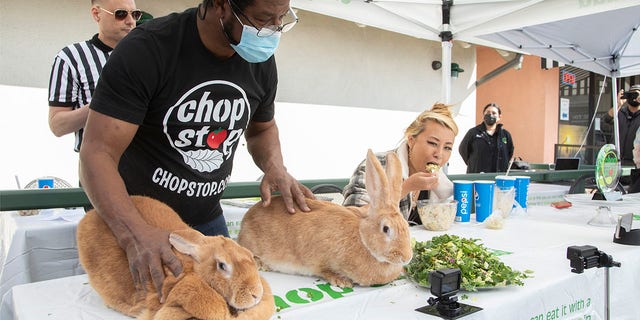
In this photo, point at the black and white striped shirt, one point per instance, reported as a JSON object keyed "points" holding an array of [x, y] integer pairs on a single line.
{"points": [[74, 75]]}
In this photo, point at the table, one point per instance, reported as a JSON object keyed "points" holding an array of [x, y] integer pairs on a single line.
{"points": [[38, 247], [537, 241]]}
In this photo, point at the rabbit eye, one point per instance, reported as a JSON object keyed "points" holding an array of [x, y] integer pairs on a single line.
{"points": [[385, 229], [224, 268]]}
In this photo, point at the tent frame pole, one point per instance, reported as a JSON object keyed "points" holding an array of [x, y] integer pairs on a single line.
{"points": [[447, 44], [614, 104]]}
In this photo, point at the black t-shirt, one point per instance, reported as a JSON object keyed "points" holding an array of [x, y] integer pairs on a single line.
{"points": [[191, 108]]}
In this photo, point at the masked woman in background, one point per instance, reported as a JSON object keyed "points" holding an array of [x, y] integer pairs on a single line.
{"points": [[487, 147], [426, 147]]}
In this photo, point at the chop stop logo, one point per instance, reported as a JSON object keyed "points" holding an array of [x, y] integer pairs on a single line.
{"points": [[206, 123]]}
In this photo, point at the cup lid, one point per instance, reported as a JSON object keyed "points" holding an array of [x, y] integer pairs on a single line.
{"points": [[484, 181]]}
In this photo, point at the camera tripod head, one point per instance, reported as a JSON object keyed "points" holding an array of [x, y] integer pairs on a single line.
{"points": [[585, 257]]}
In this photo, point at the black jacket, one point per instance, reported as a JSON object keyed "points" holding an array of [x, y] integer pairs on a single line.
{"points": [[628, 124], [484, 153]]}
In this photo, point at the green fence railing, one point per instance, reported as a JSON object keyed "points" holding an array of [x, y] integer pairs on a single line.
{"points": [[75, 197]]}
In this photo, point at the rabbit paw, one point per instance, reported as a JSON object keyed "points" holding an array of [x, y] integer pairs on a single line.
{"points": [[337, 280]]}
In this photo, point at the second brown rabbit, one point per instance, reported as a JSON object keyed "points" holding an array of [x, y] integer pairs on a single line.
{"points": [[344, 245], [220, 279]]}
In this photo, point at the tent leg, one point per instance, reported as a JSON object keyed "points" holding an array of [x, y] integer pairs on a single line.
{"points": [[446, 71], [614, 97]]}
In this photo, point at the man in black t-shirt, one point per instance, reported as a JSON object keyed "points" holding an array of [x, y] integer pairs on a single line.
{"points": [[167, 116]]}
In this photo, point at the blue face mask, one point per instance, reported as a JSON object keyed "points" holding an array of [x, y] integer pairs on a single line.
{"points": [[256, 49]]}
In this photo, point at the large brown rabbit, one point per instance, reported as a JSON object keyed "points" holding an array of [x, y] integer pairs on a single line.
{"points": [[344, 245], [220, 279]]}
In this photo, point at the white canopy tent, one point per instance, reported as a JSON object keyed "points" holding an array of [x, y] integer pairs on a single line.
{"points": [[595, 35], [460, 20], [607, 43]]}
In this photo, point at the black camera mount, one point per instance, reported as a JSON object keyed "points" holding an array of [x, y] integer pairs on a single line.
{"points": [[586, 257], [446, 306], [624, 232], [445, 283]]}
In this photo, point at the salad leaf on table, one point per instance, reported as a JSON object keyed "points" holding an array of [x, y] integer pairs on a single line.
{"points": [[479, 267]]}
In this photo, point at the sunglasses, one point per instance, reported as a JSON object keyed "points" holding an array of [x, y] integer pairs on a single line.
{"points": [[121, 14]]}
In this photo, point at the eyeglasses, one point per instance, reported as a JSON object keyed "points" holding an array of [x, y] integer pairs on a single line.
{"points": [[121, 14], [289, 21]]}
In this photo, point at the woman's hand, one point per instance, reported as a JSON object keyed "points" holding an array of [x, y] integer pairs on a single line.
{"points": [[420, 181]]}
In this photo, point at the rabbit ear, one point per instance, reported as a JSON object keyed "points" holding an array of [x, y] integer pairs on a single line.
{"points": [[186, 242], [394, 175], [376, 182]]}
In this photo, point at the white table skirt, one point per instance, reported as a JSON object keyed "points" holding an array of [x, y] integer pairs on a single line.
{"points": [[38, 247], [537, 241]]}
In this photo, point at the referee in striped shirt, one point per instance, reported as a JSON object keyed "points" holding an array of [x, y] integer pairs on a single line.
{"points": [[77, 67]]}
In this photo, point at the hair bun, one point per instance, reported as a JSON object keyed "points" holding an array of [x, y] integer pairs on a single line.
{"points": [[442, 109]]}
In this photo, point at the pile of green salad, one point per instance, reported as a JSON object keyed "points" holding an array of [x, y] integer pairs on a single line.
{"points": [[479, 267]]}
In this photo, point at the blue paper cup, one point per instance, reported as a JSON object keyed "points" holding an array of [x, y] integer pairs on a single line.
{"points": [[45, 183], [483, 190], [463, 193], [522, 190], [505, 182]]}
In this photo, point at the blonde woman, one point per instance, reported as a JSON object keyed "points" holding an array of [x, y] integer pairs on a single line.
{"points": [[427, 144]]}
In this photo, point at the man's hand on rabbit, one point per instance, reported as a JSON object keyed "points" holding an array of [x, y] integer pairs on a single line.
{"points": [[147, 253], [291, 190]]}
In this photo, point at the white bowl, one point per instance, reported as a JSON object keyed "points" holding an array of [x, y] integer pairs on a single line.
{"points": [[437, 216]]}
